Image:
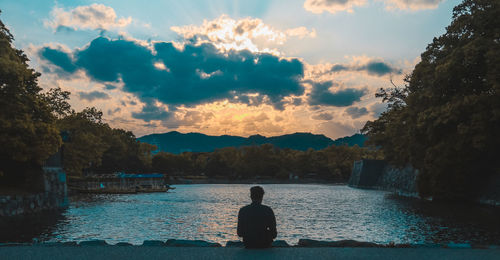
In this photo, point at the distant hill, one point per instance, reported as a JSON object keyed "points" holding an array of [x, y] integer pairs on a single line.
{"points": [[356, 139], [175, 142]]}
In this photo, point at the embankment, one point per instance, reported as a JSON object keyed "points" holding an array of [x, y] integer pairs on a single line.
{"points": [[378, 174], [53, 196], [162, 251]]}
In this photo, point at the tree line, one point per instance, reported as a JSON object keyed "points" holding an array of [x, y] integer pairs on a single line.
{"points": [[266, 161]]}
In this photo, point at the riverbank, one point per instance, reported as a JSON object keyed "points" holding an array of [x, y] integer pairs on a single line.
{"points": [[158, 252]]}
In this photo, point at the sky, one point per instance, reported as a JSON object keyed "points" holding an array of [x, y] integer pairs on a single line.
{"points": [[268, 67]]}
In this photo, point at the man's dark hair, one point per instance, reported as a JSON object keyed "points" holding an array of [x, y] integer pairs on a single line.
{"points": [[256, 193]]}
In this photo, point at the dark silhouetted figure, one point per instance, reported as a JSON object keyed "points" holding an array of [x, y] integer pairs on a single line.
{"points": [[256, 222]]}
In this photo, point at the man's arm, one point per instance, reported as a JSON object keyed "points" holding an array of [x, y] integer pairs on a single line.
{"points": [[272, 225], [241, 225]]}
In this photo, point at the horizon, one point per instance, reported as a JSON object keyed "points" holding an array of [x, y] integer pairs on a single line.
{"points": [[228, 67], [266, 136]]}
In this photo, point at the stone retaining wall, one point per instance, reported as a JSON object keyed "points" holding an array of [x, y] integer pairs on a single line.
{"points": [[402, 181], [54, 196], [377, 174]]}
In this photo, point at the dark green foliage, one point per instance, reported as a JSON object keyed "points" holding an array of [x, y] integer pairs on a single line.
{"points": [[446, 120], [96, 147], [28, 133], [265, 161]]}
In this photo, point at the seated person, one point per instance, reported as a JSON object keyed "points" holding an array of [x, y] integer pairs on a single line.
{"points": [[256, 222]]}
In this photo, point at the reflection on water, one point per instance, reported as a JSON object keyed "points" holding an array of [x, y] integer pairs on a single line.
{"points": [[29, 228], [209, 212]]}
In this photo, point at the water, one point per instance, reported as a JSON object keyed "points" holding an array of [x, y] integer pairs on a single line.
{"points": [[209, 212]]}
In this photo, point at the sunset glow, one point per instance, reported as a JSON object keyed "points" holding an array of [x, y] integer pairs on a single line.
{"points": [[236, 68]]}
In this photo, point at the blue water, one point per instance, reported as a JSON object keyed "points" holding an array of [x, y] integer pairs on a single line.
{"points": [[324, 212]]}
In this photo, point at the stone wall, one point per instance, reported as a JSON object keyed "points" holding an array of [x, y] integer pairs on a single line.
{"points": [[402, 181], [366, 173], [53, 196], [377, 174]]}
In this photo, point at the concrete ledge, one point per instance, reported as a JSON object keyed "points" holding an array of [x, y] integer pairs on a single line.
{"points": [[341, 243], [190, 243], [304, 243], [162, 252], [276, 243]]}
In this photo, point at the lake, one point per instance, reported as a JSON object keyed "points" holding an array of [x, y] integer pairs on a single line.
{"points": [[209, 212]]}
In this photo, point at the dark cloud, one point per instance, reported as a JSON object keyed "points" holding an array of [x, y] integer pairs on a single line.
{"points": [[377, 68], [323, 116], [321, 95], [338, 67], [297, 101], [109, 86], [113, 111], [59, 58], [193, 75], [93, 95], [151, 111], [356, 112]]}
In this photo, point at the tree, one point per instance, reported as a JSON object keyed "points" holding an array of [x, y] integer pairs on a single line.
{"points": [[445, 121], [28, 133], [87, 142]]}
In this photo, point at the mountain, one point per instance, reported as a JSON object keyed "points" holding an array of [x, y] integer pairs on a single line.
{"points": [[175, 142], [356, 139]]}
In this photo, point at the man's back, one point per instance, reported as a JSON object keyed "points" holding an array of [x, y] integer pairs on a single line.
{"points": [[257, 225]]}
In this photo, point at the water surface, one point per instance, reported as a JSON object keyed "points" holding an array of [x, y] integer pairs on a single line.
{"points": [[324, 212]]}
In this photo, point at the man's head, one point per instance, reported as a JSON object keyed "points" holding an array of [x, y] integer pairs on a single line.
{"points": [[256, 193]]}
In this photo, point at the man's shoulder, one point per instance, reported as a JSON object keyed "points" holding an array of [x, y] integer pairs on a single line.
{"points": [[267, 208], [245, 207], [258, 207]]}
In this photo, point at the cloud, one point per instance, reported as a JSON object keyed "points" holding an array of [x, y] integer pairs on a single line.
{"points": [[412, 4], [332, 6], [93, 95], [152, 111], [113, 111], [93, 17], [321, 95], [372, 67], [323, 116], [336, 129], [378, 108], [247, 33], [379, 68], [194, 74], [110, 86], [59, 58], [356, 112]]}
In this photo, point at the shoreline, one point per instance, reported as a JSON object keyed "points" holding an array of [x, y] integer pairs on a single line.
{"points": [[253, 181]]}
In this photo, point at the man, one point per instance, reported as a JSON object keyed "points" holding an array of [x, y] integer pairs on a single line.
{"points": [[256, 222]]}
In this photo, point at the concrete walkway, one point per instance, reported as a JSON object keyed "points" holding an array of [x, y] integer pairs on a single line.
{"points": [[156, 252]]}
